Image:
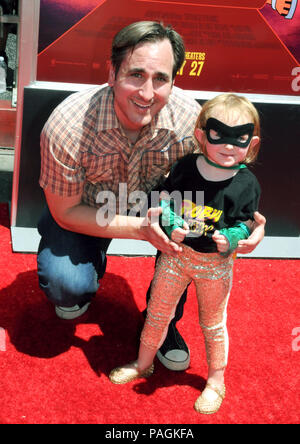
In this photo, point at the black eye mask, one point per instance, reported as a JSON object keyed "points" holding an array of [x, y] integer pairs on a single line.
{"points": [[234, 135]]}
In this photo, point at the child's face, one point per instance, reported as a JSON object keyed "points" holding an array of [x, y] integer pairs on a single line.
{"points": [[227, 154]]}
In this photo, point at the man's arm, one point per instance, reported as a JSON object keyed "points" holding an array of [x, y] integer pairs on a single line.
{"points": [[71, 214]]}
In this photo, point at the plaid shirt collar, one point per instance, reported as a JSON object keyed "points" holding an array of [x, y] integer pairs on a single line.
{"points": [[108, 120]]}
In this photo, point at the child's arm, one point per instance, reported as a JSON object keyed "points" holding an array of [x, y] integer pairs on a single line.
{"points": [[175, 227], [227, 238]]}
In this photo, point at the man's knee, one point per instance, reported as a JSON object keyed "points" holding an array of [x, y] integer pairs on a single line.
{"points": [[66, 284]]}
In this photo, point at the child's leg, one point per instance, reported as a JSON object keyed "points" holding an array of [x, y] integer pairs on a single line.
{"points": [[213, 297], [213, 290], [167, 286]]}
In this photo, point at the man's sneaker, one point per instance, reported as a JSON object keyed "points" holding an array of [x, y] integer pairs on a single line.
{"points": [[71, 312], [174, 353]]}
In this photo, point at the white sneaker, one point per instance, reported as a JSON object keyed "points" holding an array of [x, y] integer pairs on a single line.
{"points": [[71, 312]]}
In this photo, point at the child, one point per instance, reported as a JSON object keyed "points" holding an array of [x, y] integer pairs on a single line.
{"points": [[228, 134]]}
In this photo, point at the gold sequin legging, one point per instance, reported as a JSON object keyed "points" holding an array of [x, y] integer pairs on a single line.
{"points": [[212, 275]]}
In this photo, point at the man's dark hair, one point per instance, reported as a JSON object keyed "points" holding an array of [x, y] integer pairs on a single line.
{"points": [[146, 31]]}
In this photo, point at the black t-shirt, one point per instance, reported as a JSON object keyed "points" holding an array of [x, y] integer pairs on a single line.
{"points": [[208, 206]]}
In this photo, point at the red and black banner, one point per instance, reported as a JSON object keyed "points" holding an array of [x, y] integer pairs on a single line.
{"points": [[246, 46]]}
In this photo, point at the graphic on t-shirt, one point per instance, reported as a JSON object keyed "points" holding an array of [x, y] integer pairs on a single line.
{"points": [[201, 219]]}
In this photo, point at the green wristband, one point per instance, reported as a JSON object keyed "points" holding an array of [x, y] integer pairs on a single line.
{"points": [[233, 235], [169, 219]]}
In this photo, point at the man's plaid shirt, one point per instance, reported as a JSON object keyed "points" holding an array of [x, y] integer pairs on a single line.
{"points": [[84, 151]]}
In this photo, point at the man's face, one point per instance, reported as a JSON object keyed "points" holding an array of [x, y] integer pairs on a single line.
{"points": [[143, 84]]}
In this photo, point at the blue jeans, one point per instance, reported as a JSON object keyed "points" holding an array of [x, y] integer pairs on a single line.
{"points": [[70, 264]]}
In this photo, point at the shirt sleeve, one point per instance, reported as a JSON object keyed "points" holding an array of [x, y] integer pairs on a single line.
{"points": [[252, 204], [170, 183], [61, 170], [245, 203]]}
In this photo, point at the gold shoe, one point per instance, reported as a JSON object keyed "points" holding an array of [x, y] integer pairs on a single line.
{"points": [[128, 373], [207, 407]]}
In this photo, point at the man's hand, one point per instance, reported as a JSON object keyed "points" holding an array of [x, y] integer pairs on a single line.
{"points": [[152, 232], [248, 245]]}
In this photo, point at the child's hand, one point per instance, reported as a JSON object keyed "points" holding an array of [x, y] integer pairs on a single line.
{"points": [[178, 235], [221, 241]]}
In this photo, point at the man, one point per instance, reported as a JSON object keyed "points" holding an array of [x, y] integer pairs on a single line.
{"points": [[130, 133]]}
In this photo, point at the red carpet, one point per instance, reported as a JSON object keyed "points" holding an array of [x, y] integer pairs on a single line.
{"points": [[54, 371]]}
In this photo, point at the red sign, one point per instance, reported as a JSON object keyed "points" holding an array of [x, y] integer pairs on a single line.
{"points": [[252, 4], [230, 44]]}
